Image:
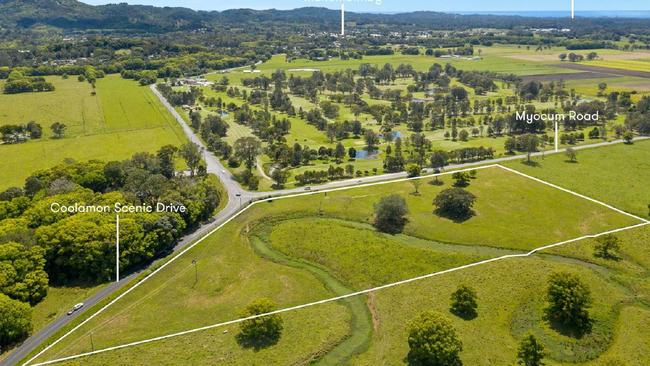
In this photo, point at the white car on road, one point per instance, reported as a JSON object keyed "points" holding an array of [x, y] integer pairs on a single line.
{"points": [[75, 308]]}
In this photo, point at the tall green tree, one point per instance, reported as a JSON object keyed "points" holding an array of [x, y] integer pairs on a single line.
{"points": [[607, 246], [433, 341], [455, 203], [262, 331], [569, 300], [246, 149], [22, 272], [15, 321], [529, 144], [531, 352], [58, 129], [166, 156], [463, 302], [191, 153], [390, 214]]}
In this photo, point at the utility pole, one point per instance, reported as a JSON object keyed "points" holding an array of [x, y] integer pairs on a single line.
{"points": [[196, 271], [557, 136]]}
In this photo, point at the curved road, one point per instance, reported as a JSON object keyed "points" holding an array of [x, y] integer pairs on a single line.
{"points": [[237, 199]]}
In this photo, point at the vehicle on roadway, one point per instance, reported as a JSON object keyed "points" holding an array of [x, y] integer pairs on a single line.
{"points": [[75, 308]]}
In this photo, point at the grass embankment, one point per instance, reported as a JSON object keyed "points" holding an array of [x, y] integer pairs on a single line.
{"points": [[122, 119]]}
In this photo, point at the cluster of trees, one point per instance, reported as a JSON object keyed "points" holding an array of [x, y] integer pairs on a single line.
{"points": [[433, 340], [17, 82], [179, 98], [573, 57], [332, 173], [639, 119], [12, 134], [39, 246]]}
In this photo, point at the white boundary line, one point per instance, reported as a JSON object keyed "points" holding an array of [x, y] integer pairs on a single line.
{"points": [[226, 222], [337, 298], [574, 193], [342, 297]]}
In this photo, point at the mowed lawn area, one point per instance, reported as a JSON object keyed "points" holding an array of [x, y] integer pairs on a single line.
{"points": [[122, 119], [325, 233]]}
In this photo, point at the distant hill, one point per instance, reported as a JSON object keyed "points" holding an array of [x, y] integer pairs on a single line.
{"points": [[75, 15]]}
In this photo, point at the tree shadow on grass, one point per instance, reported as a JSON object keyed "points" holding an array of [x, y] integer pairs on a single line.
{"points": [[465, 315], [572, 331], [531, 163], [459, 219], [608, 256], [256, 343]]}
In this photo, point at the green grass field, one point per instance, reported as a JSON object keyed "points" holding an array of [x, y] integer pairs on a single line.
{"points": [[305, 249], [122, 119], [232, 270], [618, 175], [636, 65]]}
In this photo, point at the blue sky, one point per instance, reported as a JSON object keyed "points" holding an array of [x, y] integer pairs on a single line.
{"points": [[399, 5]]}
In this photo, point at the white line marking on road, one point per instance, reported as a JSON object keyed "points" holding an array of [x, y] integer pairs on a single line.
{"points": [[644, 222]]}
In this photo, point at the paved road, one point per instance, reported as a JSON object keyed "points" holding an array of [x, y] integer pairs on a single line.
{"points": [[393, 176], [237, 198]]}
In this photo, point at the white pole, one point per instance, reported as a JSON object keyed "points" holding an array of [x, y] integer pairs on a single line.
{"points": [[557, 135], [342, 19], [117, 247], [573, 9]]}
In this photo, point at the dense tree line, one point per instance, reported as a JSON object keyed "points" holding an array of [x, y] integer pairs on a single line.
{"points": [[17, 82], [39, 245]]}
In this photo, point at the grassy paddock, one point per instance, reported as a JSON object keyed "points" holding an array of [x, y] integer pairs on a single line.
{"points": [[618, 174], [122, 119], [512, 212]]}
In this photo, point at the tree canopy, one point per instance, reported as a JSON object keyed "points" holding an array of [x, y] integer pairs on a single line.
{"points": [[455, 203], [15, 321], [568, 302], [433, 341], [262, 331], [390, 214]]}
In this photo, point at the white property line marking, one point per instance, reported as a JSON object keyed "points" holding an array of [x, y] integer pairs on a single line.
{"points": [[574, 193], [644, 222], [337, 298], [223, 224]]}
